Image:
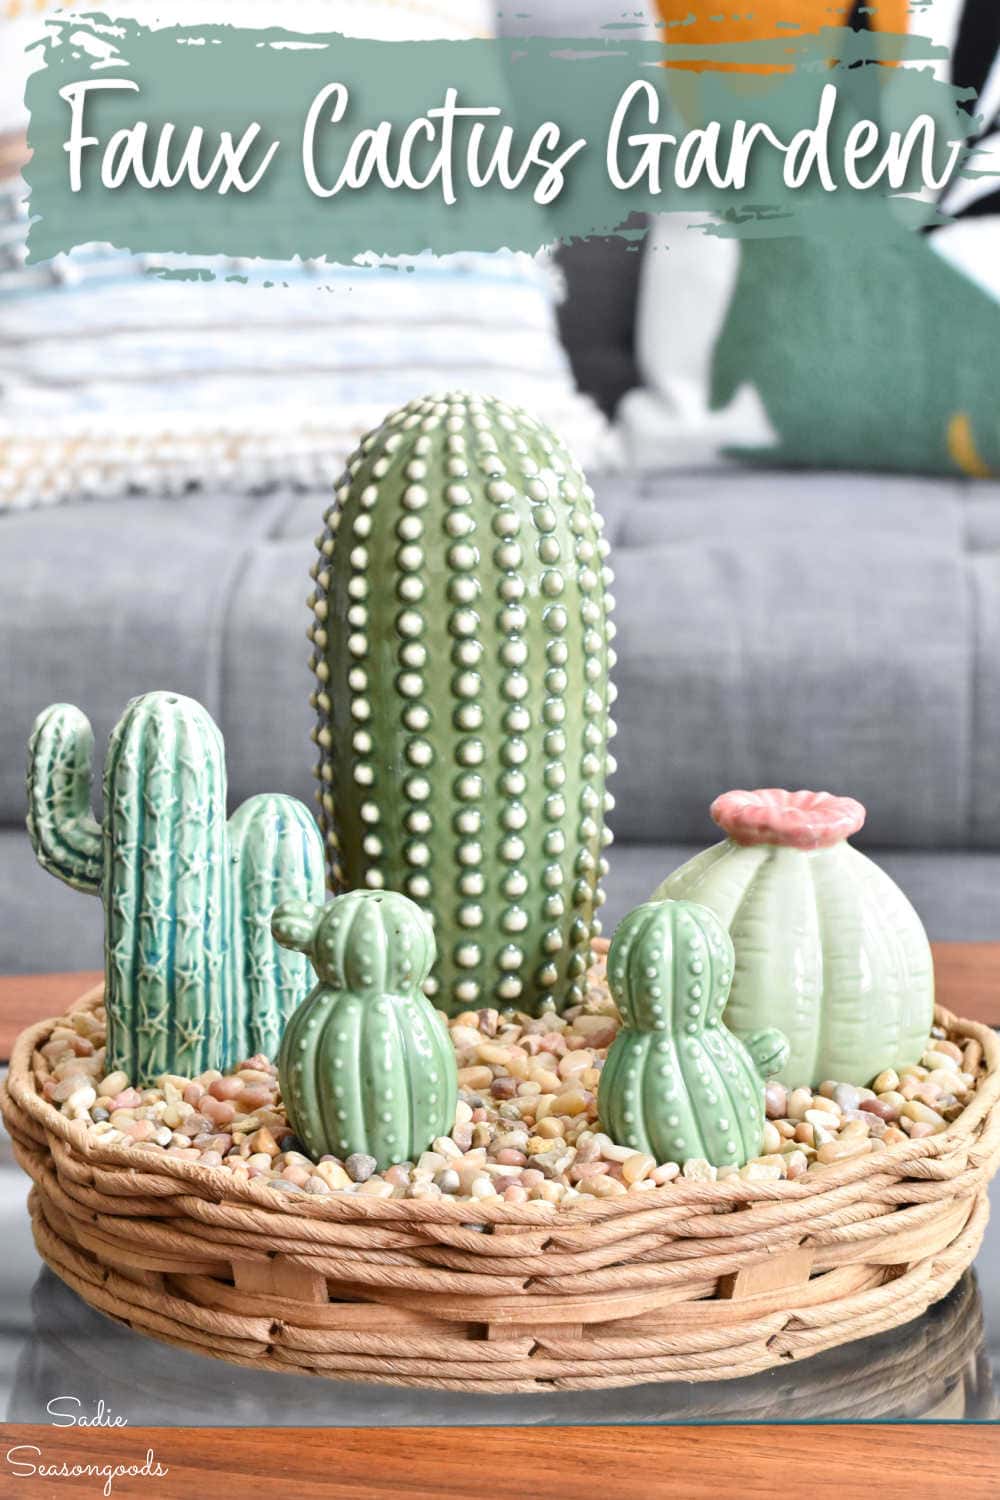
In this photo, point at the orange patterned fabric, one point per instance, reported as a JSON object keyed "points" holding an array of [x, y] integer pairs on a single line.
{"points": [[767, 20]]}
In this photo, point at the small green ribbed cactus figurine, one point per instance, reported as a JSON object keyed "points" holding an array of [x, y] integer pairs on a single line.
{"points": [[677, 1083], [366, 1063], [461, 651], [192, 979]]}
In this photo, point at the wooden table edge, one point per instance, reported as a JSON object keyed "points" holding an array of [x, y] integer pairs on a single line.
{"points": [[525, 1463]]}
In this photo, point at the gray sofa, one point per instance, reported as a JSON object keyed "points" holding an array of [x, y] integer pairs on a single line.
{"points": [[792, 629]]}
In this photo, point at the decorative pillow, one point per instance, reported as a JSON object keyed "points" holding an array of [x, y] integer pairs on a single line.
{"points": [[112, 382], [790, 351]]}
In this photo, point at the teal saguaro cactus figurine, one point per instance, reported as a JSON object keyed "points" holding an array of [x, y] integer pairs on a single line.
{"points": [[676, 1082], [366, 1063], [275, 852], [190, 983], [461, 651]]}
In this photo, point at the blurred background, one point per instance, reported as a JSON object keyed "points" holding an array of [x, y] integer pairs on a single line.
{"points": [[805, 531]]}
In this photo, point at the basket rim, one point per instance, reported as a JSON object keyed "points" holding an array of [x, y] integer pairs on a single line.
{"points": [[217, 1185]]}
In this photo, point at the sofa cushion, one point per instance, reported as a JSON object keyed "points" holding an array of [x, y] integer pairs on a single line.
{"points": [[266, 718], [106, 600], [817, 506], [833, 631], [795, 630]]}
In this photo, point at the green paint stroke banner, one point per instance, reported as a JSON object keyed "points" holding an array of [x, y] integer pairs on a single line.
{"points": [[217, 140]]}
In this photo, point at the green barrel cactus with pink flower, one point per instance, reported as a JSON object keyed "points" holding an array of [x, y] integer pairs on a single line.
{"points": [[827, 946]]}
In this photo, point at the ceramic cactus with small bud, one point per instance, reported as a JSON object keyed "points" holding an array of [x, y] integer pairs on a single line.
{"points": [[461, 653], [677, 1083], [192, 980], [366, 1063]]}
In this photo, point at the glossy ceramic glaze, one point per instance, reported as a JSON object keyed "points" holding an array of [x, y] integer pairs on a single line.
{"points": [[461, 651], [193, 979], [677, 1083], [827, 946], [366, 1063]]}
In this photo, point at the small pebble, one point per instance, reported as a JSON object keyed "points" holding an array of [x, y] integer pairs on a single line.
{"points": [[226, 1088], [934, 1059], [921, 1113], [759, 1171], [799, 1100], [360, 1167], [254, 1097], [263, 1141], [886, 1081], [81, 1100], [880, 1109], [218, 1111], [699, 1170], [775, 1100], [635, 1168], [841, 1151]]}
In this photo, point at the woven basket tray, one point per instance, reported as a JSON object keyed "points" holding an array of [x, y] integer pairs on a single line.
{"points": [[692, 1281]]}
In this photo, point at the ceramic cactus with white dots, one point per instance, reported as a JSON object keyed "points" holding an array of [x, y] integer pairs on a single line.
{"points": [[677, 1083], [461, 641], [366, 1063], [192, 979]]}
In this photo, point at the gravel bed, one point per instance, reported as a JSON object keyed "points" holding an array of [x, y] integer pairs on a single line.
{"points": [[526, 1125]]}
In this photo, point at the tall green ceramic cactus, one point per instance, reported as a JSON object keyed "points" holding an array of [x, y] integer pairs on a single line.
{"points": [[676, 1082], [461, 651], [366, 1063], [187, 901]]}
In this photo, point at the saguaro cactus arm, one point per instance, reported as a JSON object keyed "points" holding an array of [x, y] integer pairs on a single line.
{"points": [[64, 832], [770, 1050], [294, 925]]}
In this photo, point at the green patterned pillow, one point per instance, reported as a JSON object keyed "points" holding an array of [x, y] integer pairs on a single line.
{"points": [[880, 355]]}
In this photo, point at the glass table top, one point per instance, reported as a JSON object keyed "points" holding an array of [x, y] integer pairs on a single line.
{"points": [[942, 1366]]}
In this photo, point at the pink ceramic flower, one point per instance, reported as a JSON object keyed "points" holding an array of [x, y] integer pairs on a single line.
{"points": [[797, 820]]}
